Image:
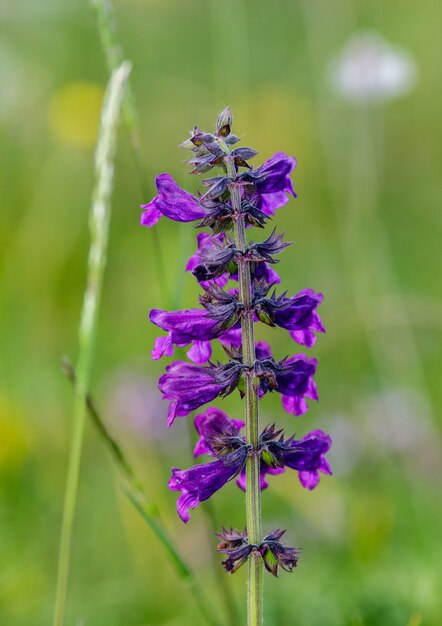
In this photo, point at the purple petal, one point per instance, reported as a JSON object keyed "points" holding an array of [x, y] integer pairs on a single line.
{"points": [[263, 350], [214, 421], [309, 480], [200, 352], [151, 214], [176, 203], [200, 482], [268, 203], [163, 346]]}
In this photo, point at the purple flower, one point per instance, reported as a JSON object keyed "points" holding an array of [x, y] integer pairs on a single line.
{"points": [[218, 434], [270, 183], [296, 314], [236, 546], [185, 327], [268, 203], [188, 386], [201, 481], [306, 456], [172, 202], [206, 242], [213, 427], [273, 175], [292, 378], [297, 384]]}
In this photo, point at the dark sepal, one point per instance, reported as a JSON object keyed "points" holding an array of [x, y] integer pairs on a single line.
{"points": [[221, 305], [215, 262], [242, 155], [218, 218], [216, 187], [264, 251], [253, 215], [275, 555], [237, 548]]}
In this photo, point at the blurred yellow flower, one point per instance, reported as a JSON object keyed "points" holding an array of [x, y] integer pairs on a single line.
{"points": [[74, 113], [13, 438]]}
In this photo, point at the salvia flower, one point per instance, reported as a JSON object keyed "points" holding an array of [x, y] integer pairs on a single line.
{"points": [[188, 386], [238, 279], [172, 202], [201, 481], [296, 314], [221, 438], [292, 377]]}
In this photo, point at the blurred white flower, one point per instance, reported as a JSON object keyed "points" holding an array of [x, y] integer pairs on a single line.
{"points": [[371, 69]]}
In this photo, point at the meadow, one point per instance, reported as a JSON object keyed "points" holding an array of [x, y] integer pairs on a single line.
{"points": [[366, 229]]}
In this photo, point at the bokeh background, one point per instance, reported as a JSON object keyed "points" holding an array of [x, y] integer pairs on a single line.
{"points": [[367, 230]]}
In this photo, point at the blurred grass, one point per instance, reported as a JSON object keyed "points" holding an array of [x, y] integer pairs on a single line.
{"points": [[371, 534]]}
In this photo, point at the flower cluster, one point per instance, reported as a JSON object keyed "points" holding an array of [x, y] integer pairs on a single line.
{"points": [[239, 290], [220, 437]]}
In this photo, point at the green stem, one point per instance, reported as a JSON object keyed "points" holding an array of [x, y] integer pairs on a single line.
{"points": [[253, 490], [99, 226]]}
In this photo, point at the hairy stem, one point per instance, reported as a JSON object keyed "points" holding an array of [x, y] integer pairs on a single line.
{"points": [[99, 226], [253, 491]]}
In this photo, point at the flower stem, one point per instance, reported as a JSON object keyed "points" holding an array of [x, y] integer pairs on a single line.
{"points": [[99, 226], [253, 490]]}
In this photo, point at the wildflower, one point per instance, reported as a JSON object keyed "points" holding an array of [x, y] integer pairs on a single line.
{"points": [[239, 196], [236, 545], [218, 433], [296, 314], [201, 481], [172, 202], [292, 377], [188, 386], [191, 326]]}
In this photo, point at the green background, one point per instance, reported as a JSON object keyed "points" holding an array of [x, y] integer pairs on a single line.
{"points": [[367, 231]]}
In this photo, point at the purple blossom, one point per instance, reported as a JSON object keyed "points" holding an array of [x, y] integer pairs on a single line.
{"points": [[172, 202], [273, 176], [213, 425], [297, 384], [268, 203], [306, 456], [188, 386], [296, 314], [200, 482], [191, 326], [207, 242], [217, 433], [292, 378], [275, 555]]}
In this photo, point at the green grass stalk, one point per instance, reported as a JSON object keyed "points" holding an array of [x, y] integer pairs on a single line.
{"points": [[113, 52], [99, 227], [148, 510]]}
